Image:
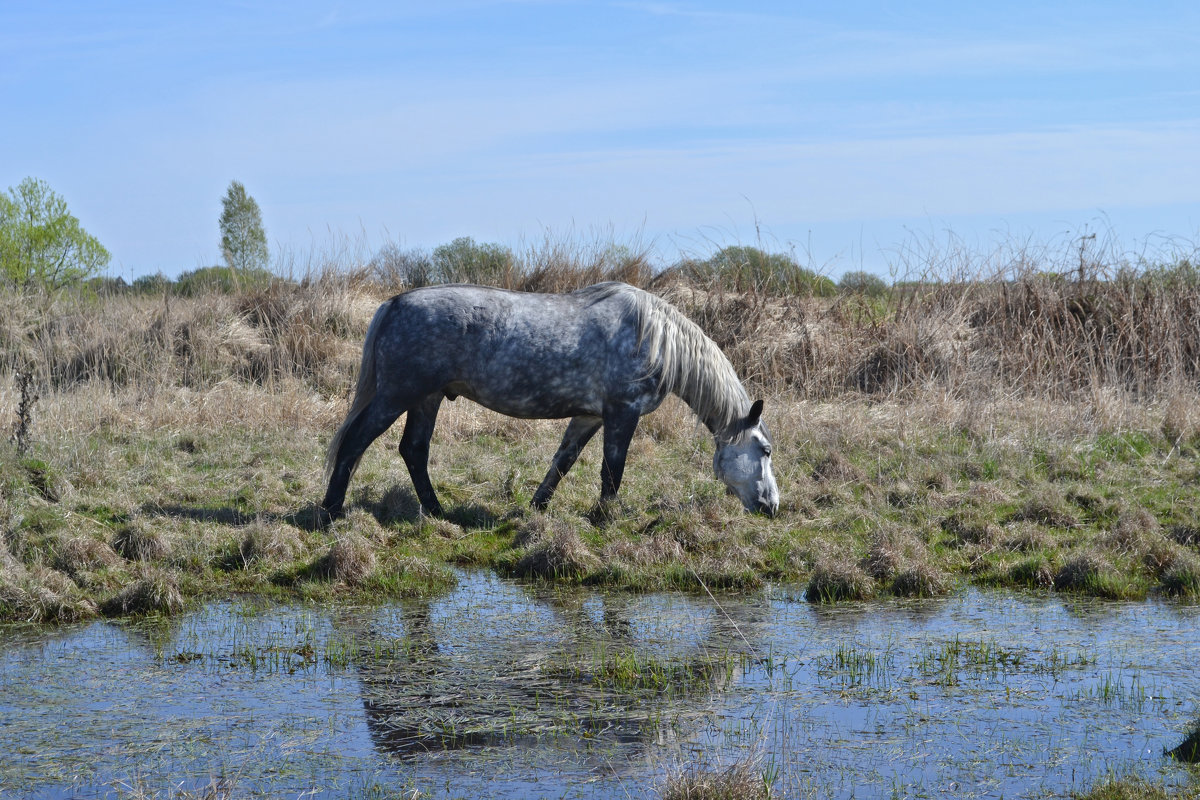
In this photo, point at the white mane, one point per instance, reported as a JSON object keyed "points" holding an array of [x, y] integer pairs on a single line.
{"points": [[689, 363]]}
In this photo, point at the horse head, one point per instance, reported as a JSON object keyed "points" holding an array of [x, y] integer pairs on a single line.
{"points": [[743, 463]]}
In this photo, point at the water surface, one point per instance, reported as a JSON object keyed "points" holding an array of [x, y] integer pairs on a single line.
{"points": [[504, 690]]}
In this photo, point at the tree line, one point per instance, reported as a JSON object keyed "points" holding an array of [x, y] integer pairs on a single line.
{"points": [[43, 245]]}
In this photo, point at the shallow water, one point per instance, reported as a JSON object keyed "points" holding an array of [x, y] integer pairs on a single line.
{"points": [[503, 690]]}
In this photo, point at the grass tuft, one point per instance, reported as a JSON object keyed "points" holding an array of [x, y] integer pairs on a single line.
{"points": [[137, 541], [739, 781], [1182, 579], [836, 580], [275, 544], [553, 549], [82, 554], [350, 560], [39, 595], [1091, 572], [155, 592]]}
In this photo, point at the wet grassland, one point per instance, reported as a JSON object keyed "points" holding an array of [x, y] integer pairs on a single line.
{"points": [[982, 580]]}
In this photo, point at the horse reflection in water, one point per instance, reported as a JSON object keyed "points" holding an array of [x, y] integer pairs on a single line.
{"points": [[603, 356], [560, 666]]}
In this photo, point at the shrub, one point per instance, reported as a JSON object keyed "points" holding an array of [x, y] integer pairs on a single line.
{"points": [[863, 283], [749, 269], [465, 261], [221, 280]]}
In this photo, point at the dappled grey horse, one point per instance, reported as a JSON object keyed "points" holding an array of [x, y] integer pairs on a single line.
{"points": [[603, 356]]}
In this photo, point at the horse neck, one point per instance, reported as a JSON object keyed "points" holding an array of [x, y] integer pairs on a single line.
{"points": [[717, 404], [691, 364]]}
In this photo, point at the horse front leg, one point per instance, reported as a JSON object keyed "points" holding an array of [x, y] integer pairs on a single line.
{"points": [[414, 449], [579, 431], [619, 424]]}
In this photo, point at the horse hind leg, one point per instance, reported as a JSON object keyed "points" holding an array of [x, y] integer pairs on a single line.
{"points": [[376, 418], [414, 449], [579, 431]]}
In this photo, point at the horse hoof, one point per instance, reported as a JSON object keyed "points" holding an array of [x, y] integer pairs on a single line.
{"points": [[604, 512], [326, 517]]}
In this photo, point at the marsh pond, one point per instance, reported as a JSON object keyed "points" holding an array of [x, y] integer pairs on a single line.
{"points": [[499, 689]]}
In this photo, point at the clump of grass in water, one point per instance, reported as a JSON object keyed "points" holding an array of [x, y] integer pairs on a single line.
{"points": [[742, 780], [1182, 579], [1113, 690], [629, 670], [1136, 788], [833, 581], [1091, 573], [983, 658], [855, 665], [553, 549], [156, 592]]}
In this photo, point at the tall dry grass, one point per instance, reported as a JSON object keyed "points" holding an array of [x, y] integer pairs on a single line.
{"points": [[1052, 325]]}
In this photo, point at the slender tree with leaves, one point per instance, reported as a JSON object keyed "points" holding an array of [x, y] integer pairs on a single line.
{"points": [[243, 240], [41, 242]]}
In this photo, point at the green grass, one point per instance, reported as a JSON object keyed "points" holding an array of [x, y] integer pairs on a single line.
{"points": [[869, 510]]}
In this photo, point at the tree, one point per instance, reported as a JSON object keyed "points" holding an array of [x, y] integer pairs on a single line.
{"points": [[865, 283], [243, 240], [41, 242], [466, 261], [744, 269]]}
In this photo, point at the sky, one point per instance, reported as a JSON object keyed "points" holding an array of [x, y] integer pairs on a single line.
{"points": [[842, 132]]}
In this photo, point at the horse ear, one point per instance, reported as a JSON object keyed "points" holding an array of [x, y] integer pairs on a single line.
{"points": [[755, 413]]}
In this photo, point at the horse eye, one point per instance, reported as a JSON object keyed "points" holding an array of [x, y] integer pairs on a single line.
{"points": [[766, 449]]}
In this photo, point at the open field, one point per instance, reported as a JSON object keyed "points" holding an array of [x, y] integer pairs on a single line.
{"points": [[1036, 432], [1030, 428]]}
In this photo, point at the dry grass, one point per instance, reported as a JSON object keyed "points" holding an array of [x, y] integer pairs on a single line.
{"points": [[1017, 423], [274, 543], [155, 592], [552, 548], [835, 580], [738, 781], [136, 541], [350, 559]]}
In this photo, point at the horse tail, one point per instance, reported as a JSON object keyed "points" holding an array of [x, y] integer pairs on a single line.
{"points": [[364, 391]]}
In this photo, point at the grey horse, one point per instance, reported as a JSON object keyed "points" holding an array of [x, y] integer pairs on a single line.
{"points": [[602, 356]]}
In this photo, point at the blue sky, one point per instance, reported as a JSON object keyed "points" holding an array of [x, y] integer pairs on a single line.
{"points": [[843, 131]]}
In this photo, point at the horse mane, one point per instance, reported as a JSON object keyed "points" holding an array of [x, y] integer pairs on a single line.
{"points": [[688, 363]]}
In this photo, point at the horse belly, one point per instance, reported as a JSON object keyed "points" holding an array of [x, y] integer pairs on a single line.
{"points": [[531, 396]]}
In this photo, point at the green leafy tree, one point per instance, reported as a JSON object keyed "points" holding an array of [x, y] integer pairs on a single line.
{"points": [[864, 283], [744, 269], [243, 240], [466, 261], [41, 242]]}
